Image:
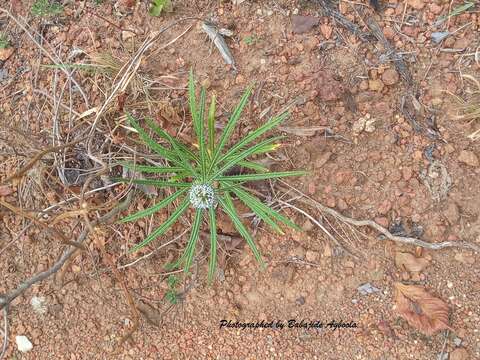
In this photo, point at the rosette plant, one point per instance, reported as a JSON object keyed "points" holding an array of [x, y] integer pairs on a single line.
{"points": [[201, 177]]}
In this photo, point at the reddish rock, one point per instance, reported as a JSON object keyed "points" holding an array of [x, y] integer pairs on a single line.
{"points": [[342, 205], [384, 207], [435, 8], [462, 43], [459, 354], [375, 85], [390, 77], [407, 173], [452, 214], [328, 88], [388, 32], [417, 4], [322, 159], [382, 221], [302, 24], [469, 158]]}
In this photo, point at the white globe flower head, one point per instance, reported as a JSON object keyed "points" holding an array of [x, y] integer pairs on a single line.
{"points": [[202, 196]]}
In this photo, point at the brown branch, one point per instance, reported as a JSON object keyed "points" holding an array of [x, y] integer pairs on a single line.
{"points": [[400, 239], [4, 332], [55, 232], [36, 158], [388, 235], [108, 260], [6, 299]]}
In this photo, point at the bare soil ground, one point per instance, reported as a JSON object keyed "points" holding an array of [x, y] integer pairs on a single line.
{"points": [[367, 161]]}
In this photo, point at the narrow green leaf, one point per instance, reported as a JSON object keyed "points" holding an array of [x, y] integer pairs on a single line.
{"points": [[178, 147], [192, 102], [165, 226], [227, 131], [151, 169], [229, 209], [242, 155], [184, 151], [192, 242], [201, 135], [456, 11], [269, 125], [213, 245], [153, 209], [268, 146], [252, 165], [258, 210], [263, 176], [211, 127], [159, 149], [226, 186], [243, 194], [154, 182]]}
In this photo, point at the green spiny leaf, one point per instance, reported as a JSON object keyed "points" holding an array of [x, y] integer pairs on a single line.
{"points": [[263, 176], [201, 135], [229, 209], [151, 169], [153, 209], [259, 211], [227, 132], [154, 182], [213, 244], [269, 125], [184, 151], [192, 243], [211, 127], [245, 196], [180, 149], [242, 155], [159, 149], [165, 226], [252, 165]]}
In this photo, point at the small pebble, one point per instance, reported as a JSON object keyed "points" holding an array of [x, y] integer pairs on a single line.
{"points": [[457, 341], [39, 304], [23, 344], [367, 289], [300, 300], [468, 158]]}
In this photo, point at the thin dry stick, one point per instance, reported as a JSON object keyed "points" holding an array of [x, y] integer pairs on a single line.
{"points": [[129, 69], [37, 157], [312, 219], [56, 60], [4, 332], [9, 297], [127, 72], [49, 228], [121, 280], [369, 223], [146, 256], [41, 92]]}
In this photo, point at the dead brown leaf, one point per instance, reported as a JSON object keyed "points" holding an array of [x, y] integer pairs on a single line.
{"points": [[409, 262], [424, 312], [326, 30], [5, 190], [302, 24], [329, 89], [386, 329], [6, 53]]}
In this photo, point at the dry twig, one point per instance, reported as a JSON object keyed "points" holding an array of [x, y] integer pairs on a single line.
{"points": [[6, 299], [387, 234], [4, 332]]}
